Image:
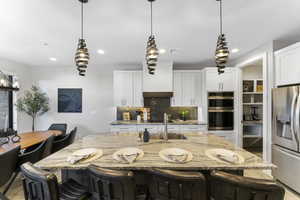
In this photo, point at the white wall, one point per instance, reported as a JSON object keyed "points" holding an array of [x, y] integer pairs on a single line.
{"points": [[23, 73], [253, 72], [97, 106]]}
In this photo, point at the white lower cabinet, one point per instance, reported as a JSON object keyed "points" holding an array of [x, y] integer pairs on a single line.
{"points": [[193, 128], [150, 128], [158, 128], [123, 128]]}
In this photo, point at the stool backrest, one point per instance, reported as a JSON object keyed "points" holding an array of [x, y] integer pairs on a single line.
{"points": [[8, 164], [233, 187], [111, 184], [39, 184], [59, 127], [177, 185]]}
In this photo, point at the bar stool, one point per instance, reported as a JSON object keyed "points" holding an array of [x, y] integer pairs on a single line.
{"points": [[8, 167], [233, 187], [177, 185], [65, 141], [108, 184], [39, 184]]}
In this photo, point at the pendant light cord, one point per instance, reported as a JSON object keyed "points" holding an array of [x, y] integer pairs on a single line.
{"points": [[151, 18], [221, 18], [81, 19]]}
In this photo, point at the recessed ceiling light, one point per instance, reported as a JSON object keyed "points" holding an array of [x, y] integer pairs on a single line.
{"points": [[100, 51], [53, 59], [162, 51], [235, 50]]}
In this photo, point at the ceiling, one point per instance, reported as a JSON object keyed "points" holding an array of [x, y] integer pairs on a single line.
{"points": [[32, 31]]}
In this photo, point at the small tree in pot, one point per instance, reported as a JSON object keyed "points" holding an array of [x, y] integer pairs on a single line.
{"points": [[34, 103]]}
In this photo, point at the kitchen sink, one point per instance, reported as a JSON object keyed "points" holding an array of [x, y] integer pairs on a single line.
{"points": [[171, 136]]}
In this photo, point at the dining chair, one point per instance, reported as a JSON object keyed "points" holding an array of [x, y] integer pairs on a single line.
{"points": [[177, 185], [65, 141], [8, 166], [233, 187], [40, 152], [42, 185], [105, 184]]}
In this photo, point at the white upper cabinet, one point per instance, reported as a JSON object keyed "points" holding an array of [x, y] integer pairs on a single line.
{"points": [[177, 89], [223, 82], [187, 88], [128, 88], [287, 65], [138, 99]]}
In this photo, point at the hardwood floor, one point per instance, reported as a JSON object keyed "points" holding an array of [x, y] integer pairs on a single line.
{"points": [[16, 191]]}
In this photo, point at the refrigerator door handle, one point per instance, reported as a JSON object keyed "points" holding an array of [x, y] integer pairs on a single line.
{"points": [[297, 119]]}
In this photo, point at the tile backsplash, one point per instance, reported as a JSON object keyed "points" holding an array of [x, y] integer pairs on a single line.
{"points": [[175, 113]]}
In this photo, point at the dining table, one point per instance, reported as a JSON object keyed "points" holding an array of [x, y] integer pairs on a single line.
{"points": [[29, 139]]}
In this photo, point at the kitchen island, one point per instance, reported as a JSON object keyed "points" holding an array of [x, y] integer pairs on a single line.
{"points": [[197, 144]]}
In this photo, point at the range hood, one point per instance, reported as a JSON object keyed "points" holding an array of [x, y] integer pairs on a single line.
{"points": [[161, 83], [157, 94]]}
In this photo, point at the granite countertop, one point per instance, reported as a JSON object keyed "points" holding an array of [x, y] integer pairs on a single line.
{"points": [[197, 144], [174, 122]]}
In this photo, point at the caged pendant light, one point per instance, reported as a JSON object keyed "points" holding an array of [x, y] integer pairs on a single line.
{"points": [[222, 51], [151, 51], [82, 55]]}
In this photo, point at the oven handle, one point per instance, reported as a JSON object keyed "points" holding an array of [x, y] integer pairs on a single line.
{"points": [[220, 111], [218, 97]]}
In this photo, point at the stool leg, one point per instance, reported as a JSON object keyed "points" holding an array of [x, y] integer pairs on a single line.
{"points": [[10, 183]]}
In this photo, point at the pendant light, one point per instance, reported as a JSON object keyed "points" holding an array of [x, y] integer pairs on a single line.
{"points": [[222, 51], [82, 55], [151, 51]]}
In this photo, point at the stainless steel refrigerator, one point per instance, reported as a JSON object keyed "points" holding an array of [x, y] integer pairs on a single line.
{"points": [[286, 136]]}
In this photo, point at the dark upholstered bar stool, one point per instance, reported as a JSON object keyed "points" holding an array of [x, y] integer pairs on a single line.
{"points": [[8, 166], [108, 184], [233, 187], [43, 150], [177, 185], [65, 141], [42, 185], [59, 127]]}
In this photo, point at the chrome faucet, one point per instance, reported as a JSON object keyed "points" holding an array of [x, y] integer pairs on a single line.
{"points": [[165, 133]]}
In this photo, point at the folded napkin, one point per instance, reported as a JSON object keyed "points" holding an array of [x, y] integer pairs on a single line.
{"points": [[177, 158], [231, 158], [128, 157], [73, 159]]}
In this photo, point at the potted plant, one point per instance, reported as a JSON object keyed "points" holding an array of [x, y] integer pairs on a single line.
{"points": [[34, 103]]}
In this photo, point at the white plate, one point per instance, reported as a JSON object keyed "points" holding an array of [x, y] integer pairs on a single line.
{"points": [[128, 151], [175, 152], [213, 154], [85, 152]]}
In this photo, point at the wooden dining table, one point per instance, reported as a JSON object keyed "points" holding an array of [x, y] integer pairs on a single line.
{"points": [[29, 139]]}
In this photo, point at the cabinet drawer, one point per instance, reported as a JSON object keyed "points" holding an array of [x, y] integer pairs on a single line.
{"points": [[150, 128], [123, 129], [193, 128], [174, 128]]}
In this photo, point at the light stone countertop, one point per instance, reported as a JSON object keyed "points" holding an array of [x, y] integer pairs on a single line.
{"points": [[195, 143], [176, 122]]}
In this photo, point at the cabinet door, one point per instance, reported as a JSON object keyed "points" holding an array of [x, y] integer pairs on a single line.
{"points": [[227, 81], [177, 89], [212, 80], [188, 88], [222, 82], [138, 100], [123, 88], [287, 65]]}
